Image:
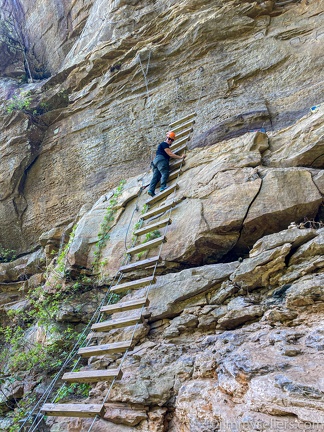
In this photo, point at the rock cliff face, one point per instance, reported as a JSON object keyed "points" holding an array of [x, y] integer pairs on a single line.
{"points": [[240, 65], [233, 337]]}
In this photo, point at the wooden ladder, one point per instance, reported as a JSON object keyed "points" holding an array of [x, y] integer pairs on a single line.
{"points": [[182, 128]]}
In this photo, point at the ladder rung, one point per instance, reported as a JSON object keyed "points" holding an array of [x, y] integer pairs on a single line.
{"points": [[139, 283], [184, 132], [116, 323], [153, 227], [179, 149], [180, 142], [176, 164], [168, 191], [140, 264], [183, 126], [93, 375], [183, 119], [159, 210], [112, 348], [73, 410], [174, 174], [125, 306], [145, 246]]}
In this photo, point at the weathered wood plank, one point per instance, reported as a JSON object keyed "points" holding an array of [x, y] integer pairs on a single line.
{"points": [[125, 306], [180, 142], [73, 410], [116, 323], [92, 376], [139, 283], [183, 133], [159, 210], [112, 348], [152, 227], [145, 246], [174, 174], [185, 125], [140, 264], [168, 191], [181, 120], [175, 165], [179, 149]]}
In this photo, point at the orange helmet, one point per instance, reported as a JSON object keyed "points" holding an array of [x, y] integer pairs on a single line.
{"points": [[171, 135]]}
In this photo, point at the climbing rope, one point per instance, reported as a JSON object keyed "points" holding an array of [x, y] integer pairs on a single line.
{"points": [[96, 317], [178, 97], [79, 344], [135, 209], [145, 74], [201, 70], [70, 357]]}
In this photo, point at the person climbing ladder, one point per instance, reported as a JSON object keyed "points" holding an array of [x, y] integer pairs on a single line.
{"points": [[161, 163]]}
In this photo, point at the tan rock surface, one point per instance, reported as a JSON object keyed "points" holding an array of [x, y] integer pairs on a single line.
{"points": [[285, 195], [306, 143], [206, 196], [233, 364], [94, 57], [294, 236], [123, 414], [232, 338], [256, 272]]}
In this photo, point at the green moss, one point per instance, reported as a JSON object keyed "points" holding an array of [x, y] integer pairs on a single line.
{"points": [[105, 227]]}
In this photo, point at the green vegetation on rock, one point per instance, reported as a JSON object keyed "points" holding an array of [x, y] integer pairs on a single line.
{"points": [[105, 227], [19, 102], [7, 255]]}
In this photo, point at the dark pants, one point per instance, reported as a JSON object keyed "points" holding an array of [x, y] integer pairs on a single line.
{"points": [[160, 172]]}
